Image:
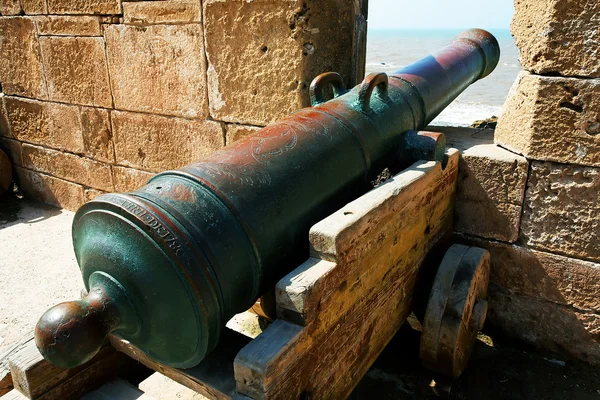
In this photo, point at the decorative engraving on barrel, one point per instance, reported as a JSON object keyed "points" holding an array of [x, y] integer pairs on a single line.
{"points": [[324, 129], [264, 149], [247, 174], [148, 220]]}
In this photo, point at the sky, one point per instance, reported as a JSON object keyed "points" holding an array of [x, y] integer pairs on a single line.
{"points": [[443, 14]]}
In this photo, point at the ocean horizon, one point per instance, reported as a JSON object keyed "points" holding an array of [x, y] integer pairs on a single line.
{"points": [[390, 49]]}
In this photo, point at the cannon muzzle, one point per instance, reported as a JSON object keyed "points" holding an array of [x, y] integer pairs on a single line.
{"points": [[166, 266]]}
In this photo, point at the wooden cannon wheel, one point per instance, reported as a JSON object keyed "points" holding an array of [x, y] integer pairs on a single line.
{"points": [[5, 173], [456, 309]]}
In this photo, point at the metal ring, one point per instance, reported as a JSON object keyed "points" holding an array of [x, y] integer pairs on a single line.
{"points": [[372, 81], [328, 78]]}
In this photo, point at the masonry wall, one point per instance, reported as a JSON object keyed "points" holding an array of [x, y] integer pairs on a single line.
{"points": [[533, 199], [99, 95]]}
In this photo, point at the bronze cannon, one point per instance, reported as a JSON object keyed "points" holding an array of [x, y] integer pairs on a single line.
{"points": [[166, 266]]}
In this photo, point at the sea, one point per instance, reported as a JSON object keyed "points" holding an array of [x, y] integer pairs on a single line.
{"points": [[390, 49]]}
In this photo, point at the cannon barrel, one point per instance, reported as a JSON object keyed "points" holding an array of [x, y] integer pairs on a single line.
{"points": [[166, 266]]}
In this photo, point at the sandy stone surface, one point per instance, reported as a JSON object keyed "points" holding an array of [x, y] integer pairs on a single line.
{"points": [[32, 7], [37, 264], [10, 7], [160, 12], [66, 25], [84, 6], [97, 134], [128, 179], [562, 210], [162, 388], [158, 69], [50, 124], [541, 275], [21, 70], [68, 166], [491, 185], [263, 55], [558, 36], [545, 325], [236, 132], [552, 118], [157, 143], [76, 70], [50, 190]]}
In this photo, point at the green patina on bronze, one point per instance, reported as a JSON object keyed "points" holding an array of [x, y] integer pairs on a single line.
{"points": [[167, 265]]}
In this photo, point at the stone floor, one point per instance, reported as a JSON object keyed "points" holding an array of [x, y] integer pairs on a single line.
{"points": [[38, 269]]}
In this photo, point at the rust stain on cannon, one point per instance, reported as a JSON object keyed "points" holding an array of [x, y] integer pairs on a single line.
{"points": [[177, 258]]}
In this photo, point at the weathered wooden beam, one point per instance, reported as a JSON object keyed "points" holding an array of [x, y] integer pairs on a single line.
{"points": [[36, 378], [6, 383]]}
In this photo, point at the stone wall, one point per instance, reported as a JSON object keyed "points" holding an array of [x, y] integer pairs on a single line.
{"points": [[98, 95], [533, 200]]}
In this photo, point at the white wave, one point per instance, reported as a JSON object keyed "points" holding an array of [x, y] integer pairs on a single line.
{"points": [[463, 114]]}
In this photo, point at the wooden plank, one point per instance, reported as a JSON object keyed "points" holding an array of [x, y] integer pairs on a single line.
{"points": [[6, 383], [35, 377], [355, 292], [117, 389], [13, 395], [213, 377]]}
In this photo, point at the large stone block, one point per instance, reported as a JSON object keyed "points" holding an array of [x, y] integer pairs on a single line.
{"points": [[128, 179], [97, 134], [558, 36], [166, 74], [541, 275], [65, 25], [10, 7], [21, 70], [161, 12], [552, 118], [50, 190], [33, 7], [76, 70], [545, 325], [262, 55], [158, 143], [101, 7], [562, 210], [236, 132], [68, 166], [491, 185], [49, 124]]}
